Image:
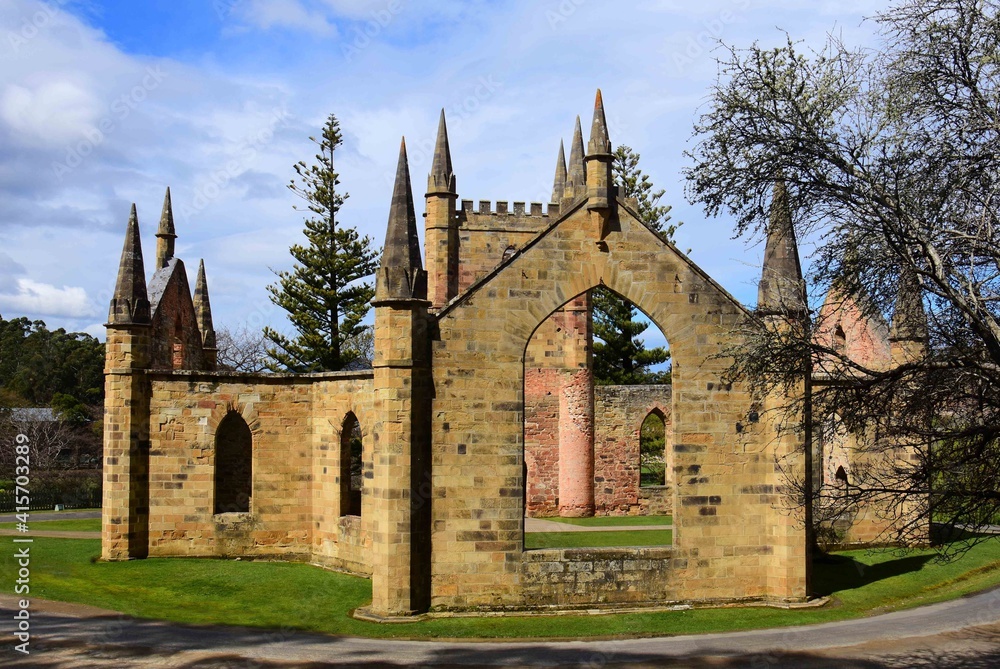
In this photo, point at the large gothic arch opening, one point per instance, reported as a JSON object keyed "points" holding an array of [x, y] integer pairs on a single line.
{"points": [[582, 437]]}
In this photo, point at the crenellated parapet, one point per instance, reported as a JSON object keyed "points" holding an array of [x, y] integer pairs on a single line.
{"points": [[504, 208]]}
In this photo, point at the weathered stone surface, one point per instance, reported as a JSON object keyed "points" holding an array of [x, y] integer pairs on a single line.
{"points": [[482, 385]]}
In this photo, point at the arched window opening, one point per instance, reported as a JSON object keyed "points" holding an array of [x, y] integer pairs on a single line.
{"points": [[177, 348], [351, 475], [508, 253], [839, 339], [233, 465], [652, 456], [841, 475]]}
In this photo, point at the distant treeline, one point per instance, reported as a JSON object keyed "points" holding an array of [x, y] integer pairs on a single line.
{"points": [[50, 368]]}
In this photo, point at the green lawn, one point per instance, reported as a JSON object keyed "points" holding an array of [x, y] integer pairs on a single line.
{"points": [[67, 525], [304, 597], [614, 521], [597, 539]]}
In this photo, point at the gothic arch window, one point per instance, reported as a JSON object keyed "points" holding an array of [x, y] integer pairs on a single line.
{"points": [[508, 253], [839, 339], [652, 458], [233, 465], [177, 347], [841, 475], [351, 474]]}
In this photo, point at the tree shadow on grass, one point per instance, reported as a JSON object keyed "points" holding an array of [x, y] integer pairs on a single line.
{"points": [[836, 573]]}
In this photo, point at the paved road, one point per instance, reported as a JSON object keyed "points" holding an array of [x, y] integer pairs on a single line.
{"points": [[963, 634]]}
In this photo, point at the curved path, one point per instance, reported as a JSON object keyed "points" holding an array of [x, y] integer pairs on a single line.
{"points": [[962, 633]]}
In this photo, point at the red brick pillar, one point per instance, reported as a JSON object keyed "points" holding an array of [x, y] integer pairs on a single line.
{"points": [[576, 444], [576, 414]]}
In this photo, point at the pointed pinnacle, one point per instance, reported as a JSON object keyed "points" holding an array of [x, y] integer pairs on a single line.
{"points": [[781, 288], [576, 182], [402, 247], [130, 303], [165, 235], [203, 308], [442, 176], [559, 186], [600, 143], [167, 217]]}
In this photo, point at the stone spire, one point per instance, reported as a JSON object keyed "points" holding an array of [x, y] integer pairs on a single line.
{"points": [[203, 308], [401, 275], [166, 234], [599, 159], [442, 176], [130, 304], [781, 289], [559, 187], [909, 322], [576, 181], [599, 140]]}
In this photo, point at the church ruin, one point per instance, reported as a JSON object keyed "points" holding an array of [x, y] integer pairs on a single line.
{"points": [[480, 409]]}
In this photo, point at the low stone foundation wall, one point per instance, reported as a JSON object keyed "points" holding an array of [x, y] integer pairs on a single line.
{"points": [[656, 500], [598, 577], [353, 553]]}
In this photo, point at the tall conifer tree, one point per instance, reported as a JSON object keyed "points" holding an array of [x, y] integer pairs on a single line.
{"points": [[324, 293]]}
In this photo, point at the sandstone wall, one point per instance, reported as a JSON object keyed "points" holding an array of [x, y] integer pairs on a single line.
{"points": [[486, 232], [619, 412], [579, 577], [732, 540], [296, 423]]}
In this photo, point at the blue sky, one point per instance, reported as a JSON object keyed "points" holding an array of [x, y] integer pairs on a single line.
{"points": [[104, 103]]}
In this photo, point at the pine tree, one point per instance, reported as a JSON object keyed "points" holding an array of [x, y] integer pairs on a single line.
{"points": [[621, 357], [634, 183], [324, 294]]}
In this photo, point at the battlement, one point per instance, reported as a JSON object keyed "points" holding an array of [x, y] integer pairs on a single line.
{"points": [[502, 208]]}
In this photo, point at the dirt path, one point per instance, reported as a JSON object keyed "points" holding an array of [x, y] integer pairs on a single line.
{"points": [[53, 515], [56, 534]]}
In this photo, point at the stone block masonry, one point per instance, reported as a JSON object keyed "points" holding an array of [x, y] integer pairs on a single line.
{"points": [[294, 508], [480, 408]]}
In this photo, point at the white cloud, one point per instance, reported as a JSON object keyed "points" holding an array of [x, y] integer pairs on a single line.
{"points": [[268, 14], [208, 128], [53, 112], [95, 330], [42, 299]]}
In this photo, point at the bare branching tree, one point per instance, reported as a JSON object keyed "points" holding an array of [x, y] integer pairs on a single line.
{"points": [[47, 439], [242, 349], [891, 158]]}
